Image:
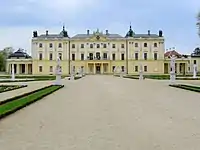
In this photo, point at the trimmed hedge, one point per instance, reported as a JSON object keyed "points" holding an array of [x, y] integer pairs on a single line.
{"points": [[14, 104], [6, 88], [35, 78], [186, 87], [167, 77]]}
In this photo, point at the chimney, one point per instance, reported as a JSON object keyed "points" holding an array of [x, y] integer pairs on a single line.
{"points": [[107, 32], [35, 34], [46, 32], [160, 33], [149, 32], [88, 32]]}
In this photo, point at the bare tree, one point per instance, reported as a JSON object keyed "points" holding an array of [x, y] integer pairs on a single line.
{"points": [[198, 23]]}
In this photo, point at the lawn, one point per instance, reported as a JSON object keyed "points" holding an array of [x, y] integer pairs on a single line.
{"points": [[11, 105], [187, 87], [5, 88]]}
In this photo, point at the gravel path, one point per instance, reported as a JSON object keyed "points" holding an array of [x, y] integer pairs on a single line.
{"points": [[107, 113], [31, 87]]}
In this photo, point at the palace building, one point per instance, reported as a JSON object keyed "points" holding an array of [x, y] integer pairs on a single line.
{"points": [[99, 53]]}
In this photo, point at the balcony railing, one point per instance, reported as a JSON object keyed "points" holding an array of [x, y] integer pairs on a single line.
{"points": [[97, 58]]}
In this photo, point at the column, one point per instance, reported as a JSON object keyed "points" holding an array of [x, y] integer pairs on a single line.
{"points": [[102, 69], [26, 68], [178, 68], [17, 68], [94, 69]]}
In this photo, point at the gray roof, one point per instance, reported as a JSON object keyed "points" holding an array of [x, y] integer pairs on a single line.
{"points": [[146, 36], [42, 36], [79, 36]]}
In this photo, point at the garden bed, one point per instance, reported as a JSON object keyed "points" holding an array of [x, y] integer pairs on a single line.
{"points": [[187, 87], [28, 78], [11, 105], [167, 77], [5, 88]]}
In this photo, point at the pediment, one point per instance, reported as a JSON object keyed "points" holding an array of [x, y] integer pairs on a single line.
{"points": [[98, 38]]}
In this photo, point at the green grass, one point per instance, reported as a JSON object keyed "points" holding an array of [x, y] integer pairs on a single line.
{"points": [[5, 88], [187, 87], [20, 102]]}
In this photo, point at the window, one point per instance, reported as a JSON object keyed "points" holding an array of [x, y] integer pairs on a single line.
{"points": [[60, 45], [155, 45], [73, 45], [136, 68], [122, 45], [90, 56], [50, 45], [98, 46], [40, 68], [136, 44], [122, 68], [155, 56], [82, 45], [40, 56], [195, 62], [113, 56], [113, 46], [104, 45], [40, 45], [73, 56], [60, 56], [145, 68], [136, 56], [91, 45], [145, 56], [122, 56], [145, 44], [82, 56], [105, 55], [60, 68], [50, 56], [113, 68], [51, 69]]}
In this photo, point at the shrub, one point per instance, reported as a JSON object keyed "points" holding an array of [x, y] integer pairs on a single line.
{"points": [[187, 87], [5, 88]]}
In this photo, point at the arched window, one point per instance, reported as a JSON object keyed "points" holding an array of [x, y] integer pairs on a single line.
{"points": [[50, 45], [60, 45], [145, 44], [40, 45], [91, 45]]}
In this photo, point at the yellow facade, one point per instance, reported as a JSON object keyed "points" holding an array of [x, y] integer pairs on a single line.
{"points": [[97, 53]]}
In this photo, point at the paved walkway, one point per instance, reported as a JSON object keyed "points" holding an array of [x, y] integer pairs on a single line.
{"points": [[107, 113]]}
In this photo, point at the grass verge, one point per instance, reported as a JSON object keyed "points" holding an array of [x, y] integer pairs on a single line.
{"points": [[32, 78], [6, 88], [11, 105], [187, 87]]}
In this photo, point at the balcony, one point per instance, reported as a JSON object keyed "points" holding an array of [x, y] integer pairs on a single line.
{"points": [[97, 58]]}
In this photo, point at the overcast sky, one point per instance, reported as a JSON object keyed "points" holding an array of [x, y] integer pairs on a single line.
{"points": [[177, 19]]}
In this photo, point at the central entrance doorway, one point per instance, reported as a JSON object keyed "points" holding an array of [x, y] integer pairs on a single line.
{"points": [[98, 68]]}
